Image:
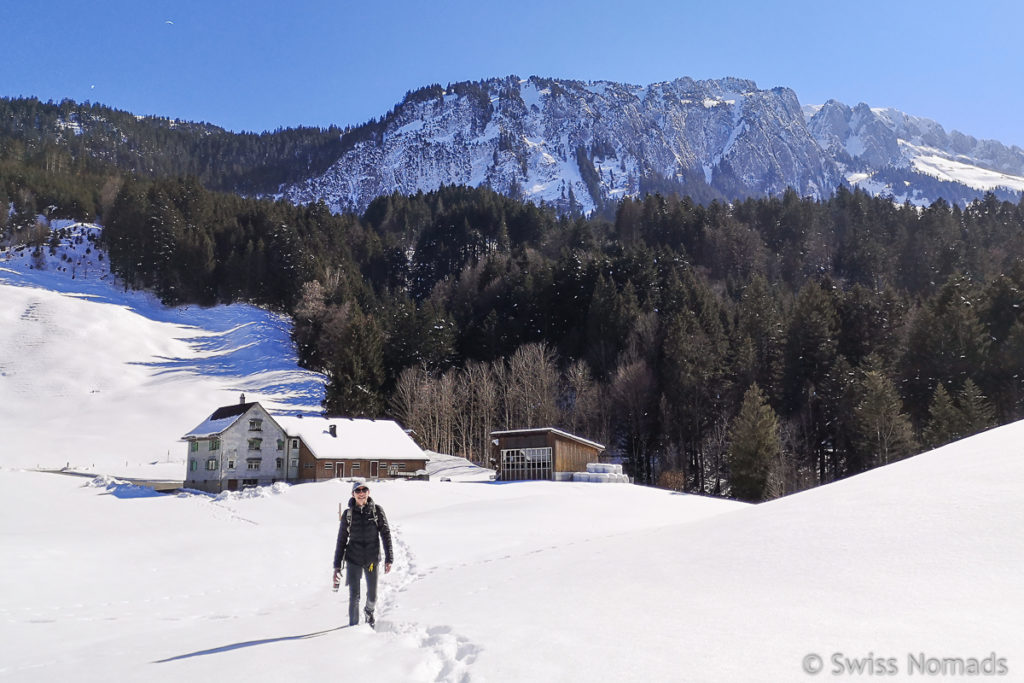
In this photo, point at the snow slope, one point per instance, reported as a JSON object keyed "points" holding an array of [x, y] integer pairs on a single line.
{"points": [[111, 379], [527, 581], [937, 164]]}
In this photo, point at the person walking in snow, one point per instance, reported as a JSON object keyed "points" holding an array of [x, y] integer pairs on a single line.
{"points": [[363, 526]]}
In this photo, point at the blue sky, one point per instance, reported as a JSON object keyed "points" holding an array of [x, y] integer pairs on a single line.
{"points": [[260, 64]]}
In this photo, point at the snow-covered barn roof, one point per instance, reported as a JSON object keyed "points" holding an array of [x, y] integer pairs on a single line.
{"points": [[357, 439], [221, 419]]}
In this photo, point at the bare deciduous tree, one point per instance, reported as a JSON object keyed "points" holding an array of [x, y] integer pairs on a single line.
{"points": [[533, 383]]}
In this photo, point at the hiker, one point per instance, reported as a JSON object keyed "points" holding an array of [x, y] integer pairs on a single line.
{"points": [[363, 525]]}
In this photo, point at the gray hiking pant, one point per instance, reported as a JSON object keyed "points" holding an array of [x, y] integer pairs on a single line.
{"points": [[353, 574]]}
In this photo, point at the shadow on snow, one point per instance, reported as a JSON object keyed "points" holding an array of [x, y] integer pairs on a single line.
{"points": [[248, 643]]}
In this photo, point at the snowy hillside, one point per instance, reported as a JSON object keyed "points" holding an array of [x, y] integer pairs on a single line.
{"points": [[911, 571], [110, 379]]}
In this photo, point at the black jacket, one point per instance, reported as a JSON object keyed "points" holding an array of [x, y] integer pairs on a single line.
{"points": [[360, 544]]}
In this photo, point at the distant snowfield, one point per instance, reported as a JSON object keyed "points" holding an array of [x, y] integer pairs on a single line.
{"points": [[937, 165], [527, 581]]}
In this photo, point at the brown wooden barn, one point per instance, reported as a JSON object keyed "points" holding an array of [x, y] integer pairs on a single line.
{"points": [[528, 454]]}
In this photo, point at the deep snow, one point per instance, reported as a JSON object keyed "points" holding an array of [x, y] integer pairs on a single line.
{"points": [[525, 581]]}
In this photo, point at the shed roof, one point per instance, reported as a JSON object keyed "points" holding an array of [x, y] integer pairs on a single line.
{"points": [[357, 439], [541, 430]]}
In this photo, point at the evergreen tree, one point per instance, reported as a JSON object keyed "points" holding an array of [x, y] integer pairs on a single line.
{"points": [[947, 342], [611, 317], [978, 414], [754, 447], [354, 364], [759, 320], [811, 354], [883, 432], [945, 421]]}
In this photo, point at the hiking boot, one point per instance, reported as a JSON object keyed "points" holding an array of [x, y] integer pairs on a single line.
{"points": [[369, 617]]}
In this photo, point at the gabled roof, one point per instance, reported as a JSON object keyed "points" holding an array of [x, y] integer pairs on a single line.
{"points": [[357, 439], [541, 430], [221, 419], [231, 411]]}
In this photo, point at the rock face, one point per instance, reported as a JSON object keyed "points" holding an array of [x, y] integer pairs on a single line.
{"points": [[580, 145]]}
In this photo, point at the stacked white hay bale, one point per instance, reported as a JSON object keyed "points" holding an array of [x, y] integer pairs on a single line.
{"points": [[602, 473]]}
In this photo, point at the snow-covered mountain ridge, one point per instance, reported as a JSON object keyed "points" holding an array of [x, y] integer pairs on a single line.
{"points": [[578, 145], [866, 141]]}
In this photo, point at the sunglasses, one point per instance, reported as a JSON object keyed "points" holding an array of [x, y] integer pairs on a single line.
{"points": [[362, 489]]}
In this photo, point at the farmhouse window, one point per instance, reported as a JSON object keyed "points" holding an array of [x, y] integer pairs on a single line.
{"points": [[256, 425], [328, 465], [294, 462], [211, 463], [214, 444], [231, 464], [280, 463], [193, 446], [280, 444], [355, 466], [192, 465], [255, 444], [250, 482], [295, 444], [253, 463]]}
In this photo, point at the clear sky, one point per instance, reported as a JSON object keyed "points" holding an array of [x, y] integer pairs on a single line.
{"points": [[262, 64]]}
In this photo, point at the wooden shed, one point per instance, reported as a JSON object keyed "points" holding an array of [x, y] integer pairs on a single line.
{"points": [[529, 454]]}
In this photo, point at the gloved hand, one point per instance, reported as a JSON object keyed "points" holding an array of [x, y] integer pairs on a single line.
{"points": [[387, 567], [337, 579]]}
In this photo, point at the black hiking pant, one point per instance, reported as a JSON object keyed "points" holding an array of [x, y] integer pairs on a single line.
{"points": [[353, 575]]}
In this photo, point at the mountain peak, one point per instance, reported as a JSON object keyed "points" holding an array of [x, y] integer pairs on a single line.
{"points": [[581, 146]]}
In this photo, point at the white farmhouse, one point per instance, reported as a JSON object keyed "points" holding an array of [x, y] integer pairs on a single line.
{"points": [[238, 446], [243, 445]]}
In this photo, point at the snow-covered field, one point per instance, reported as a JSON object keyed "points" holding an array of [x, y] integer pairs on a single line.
{"points": [[913, 565]]}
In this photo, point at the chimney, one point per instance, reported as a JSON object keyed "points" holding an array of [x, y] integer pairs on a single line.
{"points": [[241, 399], [334, 430]]}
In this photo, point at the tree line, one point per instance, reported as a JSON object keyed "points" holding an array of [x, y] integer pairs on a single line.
{"points": [[72, 139], [850, 332]]}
